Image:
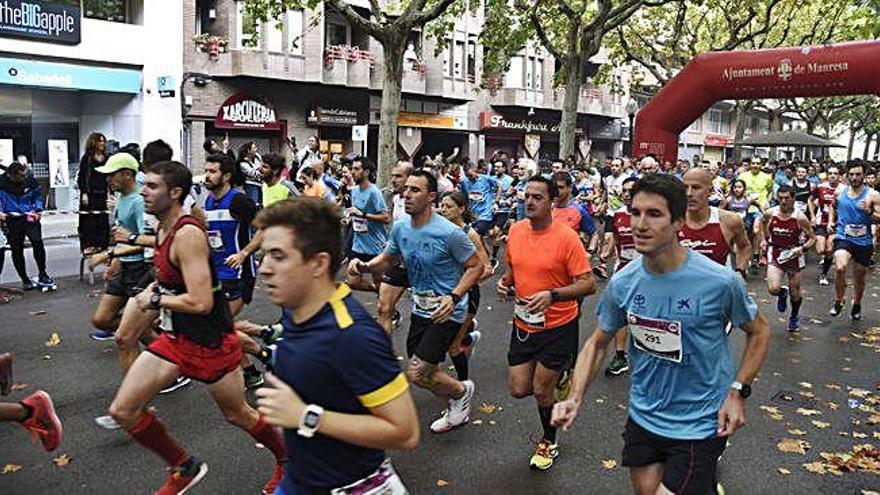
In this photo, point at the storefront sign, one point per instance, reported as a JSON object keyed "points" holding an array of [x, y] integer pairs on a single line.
{"points": [[166, 86], [58, 172], [359, 133], [39, 20], [332, 116], [68, 76], [716, 140], [242, 111], [430, 121], [490, 120]]}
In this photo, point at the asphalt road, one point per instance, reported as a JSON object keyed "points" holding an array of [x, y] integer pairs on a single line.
{"points": [[487, 458]]}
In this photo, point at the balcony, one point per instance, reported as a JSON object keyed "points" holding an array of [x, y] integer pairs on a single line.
{"points": [[247, 62], [519, 97], [414, 77], [347, 66]]}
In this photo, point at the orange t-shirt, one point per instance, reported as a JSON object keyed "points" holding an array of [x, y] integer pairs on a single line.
{"points": [[316, 190], [545, 260]]}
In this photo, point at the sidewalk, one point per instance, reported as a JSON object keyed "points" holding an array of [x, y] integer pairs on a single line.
{"points": [[59, 224]]}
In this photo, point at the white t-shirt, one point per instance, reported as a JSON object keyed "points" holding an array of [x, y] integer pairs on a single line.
{"points": [[398, 212]]}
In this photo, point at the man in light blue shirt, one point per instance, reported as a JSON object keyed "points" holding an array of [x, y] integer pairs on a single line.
{"points": [[481, 190], [369, 217], [685, 397]]}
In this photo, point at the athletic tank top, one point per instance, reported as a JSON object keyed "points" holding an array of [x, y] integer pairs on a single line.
{"points": [[802, 196], [624, 244], [784, 234], [205, 330], [853, 224], [738, 206], [709, 240], [223, 234], [826, 198]]}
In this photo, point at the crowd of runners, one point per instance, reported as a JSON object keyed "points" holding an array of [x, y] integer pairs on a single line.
{"points": [[665, 249]]}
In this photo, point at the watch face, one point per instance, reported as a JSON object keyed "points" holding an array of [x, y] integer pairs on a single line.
{"points": [[311, 420], [746, 391]]}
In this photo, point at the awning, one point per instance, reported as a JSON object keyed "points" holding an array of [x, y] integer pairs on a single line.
{"points": [[789, 138]]}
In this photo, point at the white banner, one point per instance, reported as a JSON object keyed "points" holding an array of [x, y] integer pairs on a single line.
{"points": [[58, 169], [6, 152]]}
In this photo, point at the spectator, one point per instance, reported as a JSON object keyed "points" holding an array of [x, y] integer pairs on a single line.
{"points": [[21, 205], [94, 222], [249, 162], [314, 187], [212, 147]]}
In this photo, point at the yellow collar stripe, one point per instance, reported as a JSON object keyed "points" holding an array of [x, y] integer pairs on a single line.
{"points": [[343, 317]]}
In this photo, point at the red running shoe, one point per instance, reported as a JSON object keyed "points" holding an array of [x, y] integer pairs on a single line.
{"points": [[43, 423], [5, 373], [277, 476], [180, 480]]}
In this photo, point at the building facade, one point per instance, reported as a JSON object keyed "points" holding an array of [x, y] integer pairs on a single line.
{"points": [[69, 68]]}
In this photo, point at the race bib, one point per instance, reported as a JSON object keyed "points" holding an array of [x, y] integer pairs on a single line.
{"points": [[475, 196], [660, 338], [535, 320], [628, 253], [359, 224], [215, 240], [426, 301], [855, 230], [165, 321], [383, 481], [786, 255], [149, 253]]}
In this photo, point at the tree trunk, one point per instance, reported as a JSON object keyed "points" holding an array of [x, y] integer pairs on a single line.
{"points": [[775, 125], [741, 114], [390, 110], [876, 147], [568, 125], [852, 142], [868, 138]]}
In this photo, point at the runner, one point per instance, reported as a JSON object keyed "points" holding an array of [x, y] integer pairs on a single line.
{"points": [[394, 280], [275, 186], [759, 187], [612, 185], [442, 264], [548, 272], [481, 191], [824, 200], [625, 248], [739, 203], [803, 191], [230, 214], [339, 393], [568, 211], [453, 206], [369, 215], [786, 236], [857, 208], [685, 398], [198, 338], [35, 413], [710, 231], [503, 201]]}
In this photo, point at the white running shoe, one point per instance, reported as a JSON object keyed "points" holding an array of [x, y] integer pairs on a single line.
{"points": [[458, 412], [181, 382], [107, 422]]}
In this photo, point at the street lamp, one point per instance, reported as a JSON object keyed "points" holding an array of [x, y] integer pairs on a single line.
{"points": [[632, 106], [201, 80]]}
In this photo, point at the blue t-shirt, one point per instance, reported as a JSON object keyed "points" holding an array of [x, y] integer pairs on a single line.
{"points": [[504, 184], [481, 195], [853, 224], [341, 360], [129, 213], [520, 190], [679, 352], [434, 255], [370, 236]]}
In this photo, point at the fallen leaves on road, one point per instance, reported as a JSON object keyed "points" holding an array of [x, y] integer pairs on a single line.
{"points": [[820, 424], [773, 412], [486, 408], [18, 386], [62, 460], [37, 313], [477, 422], [609, 464], [442, 483], [858, 434], [54, 340], [783, 471], [259, 445], [815, 467], [808, 412], [806, 384], [793, 446], [11, 468], [863, 457], [807, 394], [832, 386], [797, 432]]}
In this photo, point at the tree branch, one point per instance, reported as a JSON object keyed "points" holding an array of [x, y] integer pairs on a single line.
{"points": [[631, 56], [373, 28], [432, 13], [542, 35]]}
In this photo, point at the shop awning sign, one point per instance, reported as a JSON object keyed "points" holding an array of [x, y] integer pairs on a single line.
{"points": [[40, 20], [243, 111], [336, 116]]}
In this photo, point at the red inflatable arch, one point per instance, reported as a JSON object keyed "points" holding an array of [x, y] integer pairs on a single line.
{"points": [[831, 70]]}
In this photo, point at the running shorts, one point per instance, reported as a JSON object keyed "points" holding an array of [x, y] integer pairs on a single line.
{"points": [[483, 227], [862, 254], [242, 288], [430, 341], [500, 219], [199, 362], [552, 347], [396, 276], [131, 280]]}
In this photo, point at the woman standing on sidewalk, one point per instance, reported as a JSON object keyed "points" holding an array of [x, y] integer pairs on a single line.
{"points": [[94, 228]]}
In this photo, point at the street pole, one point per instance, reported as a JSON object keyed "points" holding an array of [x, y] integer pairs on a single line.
{"points": [[632, 106], [200, 79]]}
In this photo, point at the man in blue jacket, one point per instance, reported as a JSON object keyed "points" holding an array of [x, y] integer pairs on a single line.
{"points": [[21, 203]]}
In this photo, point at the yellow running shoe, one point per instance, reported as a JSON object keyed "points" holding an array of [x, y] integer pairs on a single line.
{"points": [[563, 386], [544, 455]]}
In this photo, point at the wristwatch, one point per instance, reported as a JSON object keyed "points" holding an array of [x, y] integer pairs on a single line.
{"points": [[308, 422], [155, 300], [744, 389], [455, 297], [554, 295], [132, 239], [110, 254]]}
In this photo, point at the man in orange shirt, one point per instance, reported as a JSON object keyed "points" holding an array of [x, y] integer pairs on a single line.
{"points": [[548, 272]]}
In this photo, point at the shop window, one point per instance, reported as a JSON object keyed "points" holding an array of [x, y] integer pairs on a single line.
{"points": [[696, 126], [336, 31], [413, 53], [472, 58], [275, 36], [719, 122], [514, 76], [247, 29], [458, 57], [295, 31], [106, 10]]}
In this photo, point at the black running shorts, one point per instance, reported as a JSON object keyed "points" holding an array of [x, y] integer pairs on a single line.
{"points": [[689, 466], [861, 254], [396, 275], [430, 341], [131, 280], [552, 347]]}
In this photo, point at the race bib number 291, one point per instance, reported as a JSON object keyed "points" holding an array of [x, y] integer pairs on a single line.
{"points": [[658, 337]]}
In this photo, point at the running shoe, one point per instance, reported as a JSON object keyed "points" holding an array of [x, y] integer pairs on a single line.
{"points": [[45, 280], [600, 271], [395, 320], [563, 386], [837, 309], [5, 373], [28, 284], [782, 299], [856, 312], [107, 422], [474, 336], [618, 366], [458, 412], [544, 455], [181, 479], [494, 264], [273, 483], [253, 379], [43, 423], [794, 323], [102, 336], [181, 382], [823, 280]]}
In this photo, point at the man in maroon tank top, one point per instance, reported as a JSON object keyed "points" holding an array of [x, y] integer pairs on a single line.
{"points": [[786, 235], [710, 231], [197, 338]]}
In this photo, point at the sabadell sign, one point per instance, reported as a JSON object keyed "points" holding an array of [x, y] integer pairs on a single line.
{"points": [[243, 111], [39, 20]]}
